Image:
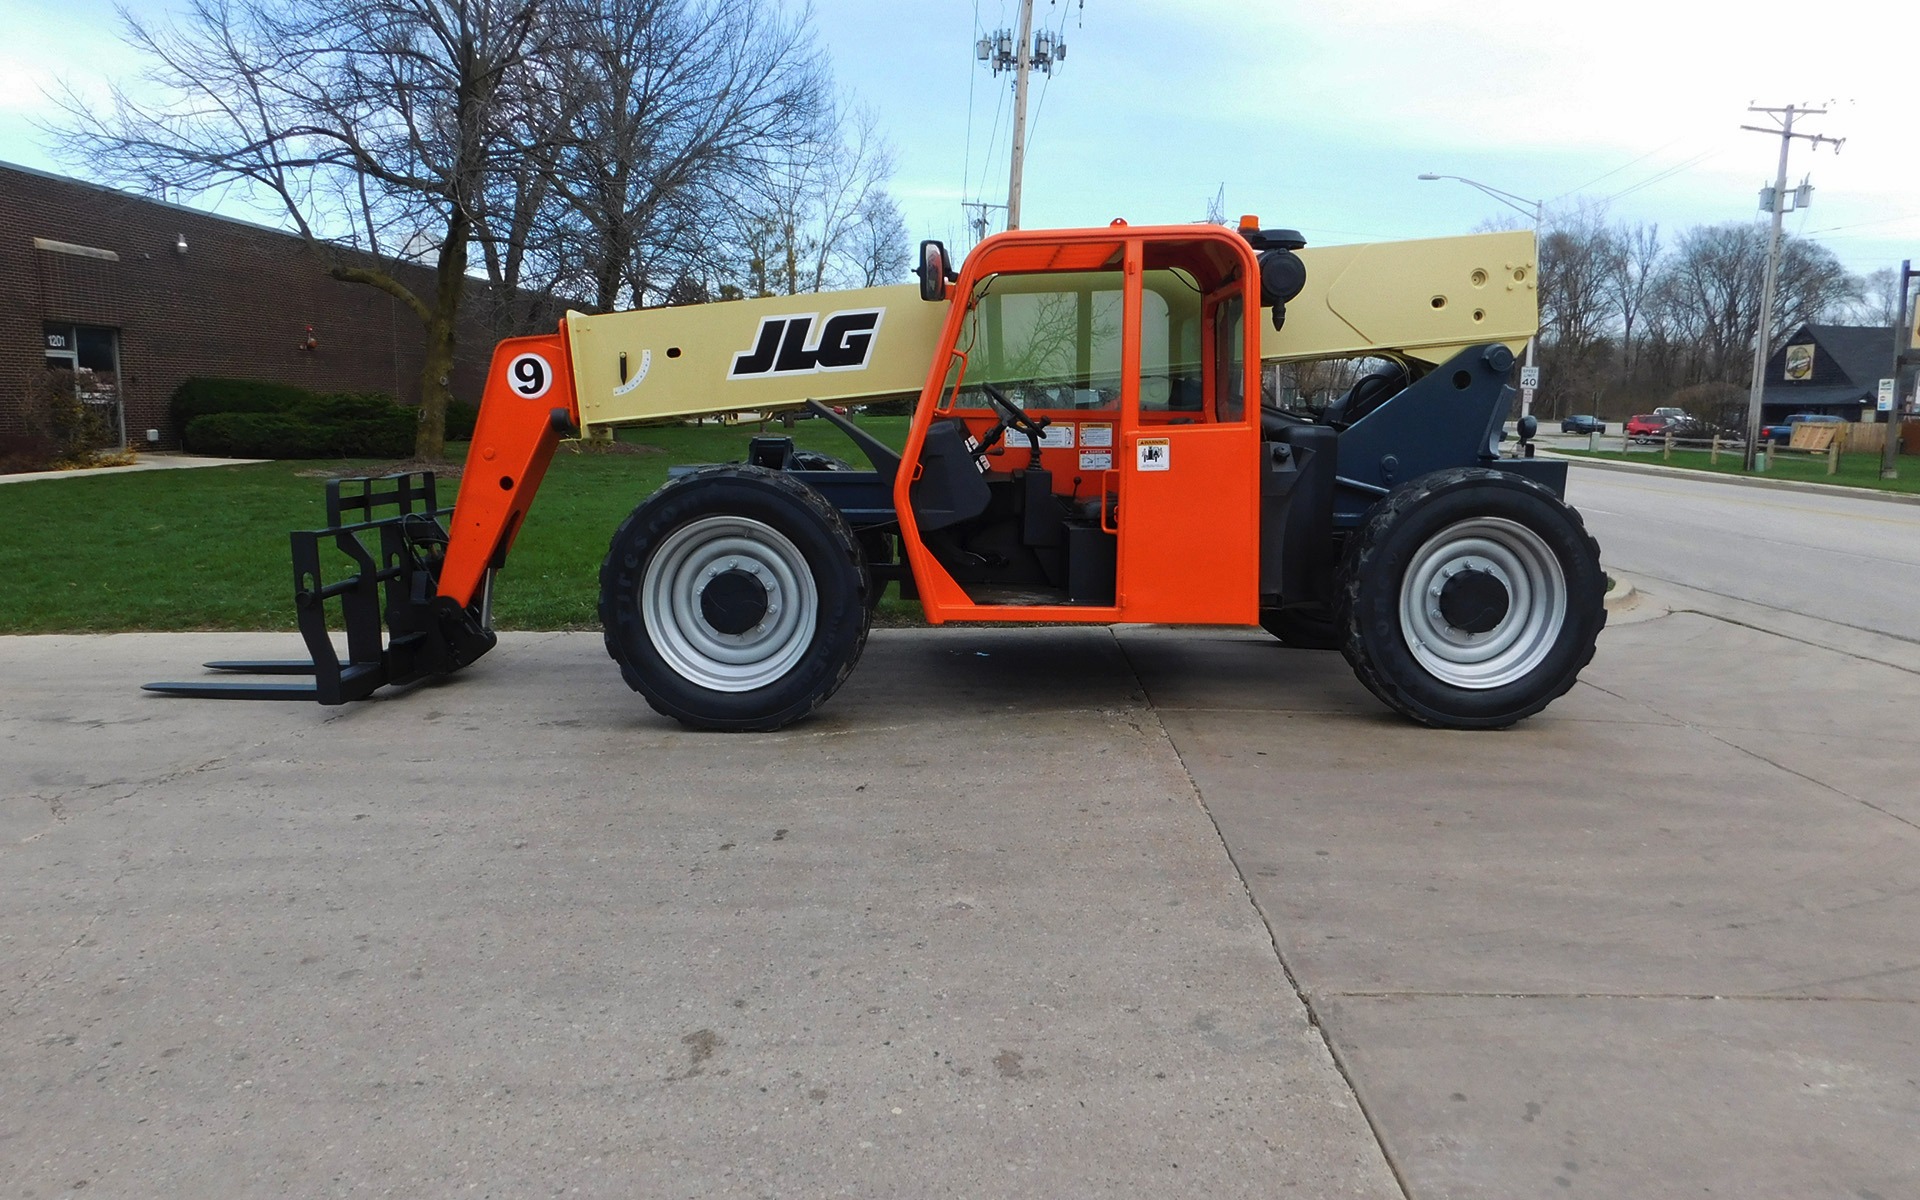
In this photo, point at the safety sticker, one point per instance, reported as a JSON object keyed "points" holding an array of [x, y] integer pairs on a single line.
{"points": [[1053, 437], [1096, 460], [1155, 454], [1096, 436]]}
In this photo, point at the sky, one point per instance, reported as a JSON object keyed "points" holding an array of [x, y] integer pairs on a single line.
{"points": [[1314, 116]]}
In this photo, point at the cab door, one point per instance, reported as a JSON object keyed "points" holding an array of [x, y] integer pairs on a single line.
{"points": [[1186, 470]]}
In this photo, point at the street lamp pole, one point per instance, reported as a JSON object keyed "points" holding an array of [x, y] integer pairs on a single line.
{"points": [[1533, 208]]}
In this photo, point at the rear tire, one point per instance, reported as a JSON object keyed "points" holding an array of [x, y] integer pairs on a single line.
{"points": [[1471, 599], [735, 598]]}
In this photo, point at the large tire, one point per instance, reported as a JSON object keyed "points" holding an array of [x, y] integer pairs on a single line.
{"points": [[1305, 628], [735, 598], [1471, 599]]}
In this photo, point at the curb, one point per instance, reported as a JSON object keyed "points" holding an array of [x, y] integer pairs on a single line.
{"points": [[1619, 594], [1788, 485]]}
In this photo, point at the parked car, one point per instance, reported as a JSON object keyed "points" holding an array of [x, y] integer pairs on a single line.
{"points": [[1694, 429], [1782, 433], [1678, 414], [1582, 423], [1645, 427]]}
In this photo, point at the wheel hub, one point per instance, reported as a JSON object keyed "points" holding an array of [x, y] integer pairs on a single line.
{"points": [[1482, 602], [729, 603], [734, 601], [1474, 600]]}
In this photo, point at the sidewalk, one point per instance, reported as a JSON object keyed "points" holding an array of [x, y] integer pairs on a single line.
{"points": [[1831, 489], [147, 462]]}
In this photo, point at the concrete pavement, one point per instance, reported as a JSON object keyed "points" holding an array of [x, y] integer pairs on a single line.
{"points": [[1021, 913], [146, 462]]}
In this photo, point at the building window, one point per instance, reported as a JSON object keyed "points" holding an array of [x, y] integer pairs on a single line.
{"points": [[93, 355]]}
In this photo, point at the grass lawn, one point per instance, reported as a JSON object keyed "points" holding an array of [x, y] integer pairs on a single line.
{"points": [[1856, 470], [207, 549]]}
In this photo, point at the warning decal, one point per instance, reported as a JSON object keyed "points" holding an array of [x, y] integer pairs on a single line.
{"points": [[1094, 437], [1096, 460], [1154, 454]]}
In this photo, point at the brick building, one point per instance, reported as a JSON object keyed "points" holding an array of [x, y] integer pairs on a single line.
{"points": [[136, 295]]}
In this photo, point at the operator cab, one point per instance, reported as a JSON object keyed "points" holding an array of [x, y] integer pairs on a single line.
{"points": [[1088, 447]]}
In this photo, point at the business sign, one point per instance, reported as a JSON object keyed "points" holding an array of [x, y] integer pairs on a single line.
{"points": [[1885, 401], [1799, 363]]}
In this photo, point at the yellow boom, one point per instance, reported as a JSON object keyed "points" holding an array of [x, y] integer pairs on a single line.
{"points": [[1424, 300]]}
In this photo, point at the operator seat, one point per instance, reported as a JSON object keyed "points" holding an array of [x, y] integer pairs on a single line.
{"points": [[1368, 393]]}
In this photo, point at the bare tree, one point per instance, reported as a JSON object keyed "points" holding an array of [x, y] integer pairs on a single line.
{"points": [[685, 106], [823, 199], [1707, 298], [1579, 258], [1879, 300], [376, 124], [1631, 281], [878, 252]]}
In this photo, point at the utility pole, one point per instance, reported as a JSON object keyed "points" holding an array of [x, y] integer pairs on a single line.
{"points": [[1021, 53], [1903, 357], [1763, 336], [1023, 66], [979, 220]]}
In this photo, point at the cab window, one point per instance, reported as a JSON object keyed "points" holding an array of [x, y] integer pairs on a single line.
{"points": [[1053, 341]]}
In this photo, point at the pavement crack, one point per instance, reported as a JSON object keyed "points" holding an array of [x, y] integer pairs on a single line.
{"points": [[1822, 784], [1682, 607], [1768, 997], [1340, 1064]]}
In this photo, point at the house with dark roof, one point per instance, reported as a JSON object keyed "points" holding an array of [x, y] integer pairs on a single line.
{"points": [[1831, 369]]}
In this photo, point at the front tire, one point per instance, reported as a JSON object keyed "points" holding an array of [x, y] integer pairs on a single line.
{"points": [[735, 598], [1471, 599]]}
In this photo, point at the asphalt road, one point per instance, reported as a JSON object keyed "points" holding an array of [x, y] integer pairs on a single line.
{"points": [[1851, 561]]}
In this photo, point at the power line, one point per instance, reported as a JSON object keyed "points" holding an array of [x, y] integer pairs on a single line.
{"points": [[966, 162], [1610, 174], [1667, 174]]}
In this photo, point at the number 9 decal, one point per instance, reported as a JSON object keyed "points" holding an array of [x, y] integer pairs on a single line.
{"points": [[529, 376]]}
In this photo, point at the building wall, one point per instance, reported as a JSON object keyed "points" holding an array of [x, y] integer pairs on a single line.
{"points": [[236, 303]]}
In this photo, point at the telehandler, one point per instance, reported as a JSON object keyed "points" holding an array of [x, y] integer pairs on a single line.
{"points": [[1089, 444]]}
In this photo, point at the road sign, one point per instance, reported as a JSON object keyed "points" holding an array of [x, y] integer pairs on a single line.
{"points": [[1885, 403], [1530, 377]]}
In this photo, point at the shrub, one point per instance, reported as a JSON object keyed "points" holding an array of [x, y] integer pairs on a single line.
{"points": [[344, 425], [257, 435], [60, 430], [461, 418], [203, 397], [306, 424]]}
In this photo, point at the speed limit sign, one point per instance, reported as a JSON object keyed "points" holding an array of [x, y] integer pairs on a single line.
{"points": [[1529, 377], [529, 375]]}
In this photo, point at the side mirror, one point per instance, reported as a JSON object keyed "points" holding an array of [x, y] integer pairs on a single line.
{"points": [[934, 271]]}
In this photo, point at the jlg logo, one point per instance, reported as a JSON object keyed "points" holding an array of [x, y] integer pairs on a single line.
{"points": [[781, 347]]}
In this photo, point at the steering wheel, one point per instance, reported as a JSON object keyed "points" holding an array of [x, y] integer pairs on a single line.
{"points": [[1012, 414]]}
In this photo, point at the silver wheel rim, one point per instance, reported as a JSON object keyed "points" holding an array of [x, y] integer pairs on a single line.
{"points": [[677, 575], [1536, 603]]}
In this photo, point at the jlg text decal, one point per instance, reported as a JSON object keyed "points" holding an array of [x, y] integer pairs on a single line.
{"points": [[781, 347]]}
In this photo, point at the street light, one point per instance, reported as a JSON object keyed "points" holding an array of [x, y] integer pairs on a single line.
{"points": [[1533, 208]]}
